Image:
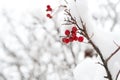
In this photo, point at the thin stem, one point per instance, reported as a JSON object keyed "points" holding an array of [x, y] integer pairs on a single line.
{"points": [[112, 54], [117, 75]]}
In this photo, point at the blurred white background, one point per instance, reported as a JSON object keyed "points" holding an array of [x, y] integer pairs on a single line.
{"points": [[30, 43]]}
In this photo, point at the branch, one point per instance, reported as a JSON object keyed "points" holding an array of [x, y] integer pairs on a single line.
{"points": [[112, 7], [14, 56], [66, 1], [73, 55], [86, 35], [71, 19], [109, 76], [19, 70], [117, 75], [112, 54], [100, 64], [1, 75]]}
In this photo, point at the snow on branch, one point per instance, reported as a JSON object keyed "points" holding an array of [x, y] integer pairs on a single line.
{"points": [[79, 21], [72, 20]]}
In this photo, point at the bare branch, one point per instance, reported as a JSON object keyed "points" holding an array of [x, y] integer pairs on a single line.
{"points": [[71, 19], [117, 75], [112, 54], [100, 64]]}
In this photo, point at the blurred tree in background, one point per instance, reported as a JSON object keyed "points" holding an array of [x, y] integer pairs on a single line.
{"points": [[31, 47]]}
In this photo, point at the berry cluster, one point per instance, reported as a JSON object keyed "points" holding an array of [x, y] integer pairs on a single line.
{"points": [[49, 9], [72, 36]]}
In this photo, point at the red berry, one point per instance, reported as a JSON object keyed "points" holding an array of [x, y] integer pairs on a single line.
{"points": [[73, 34], [74, 29], [80, 38], [67, 32], [49, 8], [71, 39], [49, 16], [75, 38], [65, 40]]}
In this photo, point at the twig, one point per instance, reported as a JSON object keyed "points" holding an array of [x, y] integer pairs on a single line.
{"points": [[117, 75], [100, 64], [3, 77], [66, 1], [73, 55], [72, 19], [116, 44], [112, 54]]}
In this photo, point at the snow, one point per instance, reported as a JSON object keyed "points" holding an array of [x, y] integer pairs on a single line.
{"points": [[88, 69], [104, 40]]}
